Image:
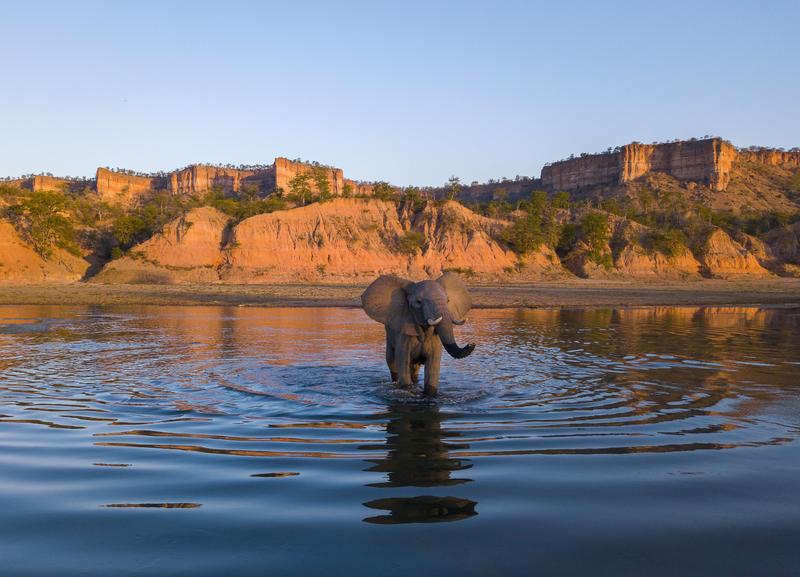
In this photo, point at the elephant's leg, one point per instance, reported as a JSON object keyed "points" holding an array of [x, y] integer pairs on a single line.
{"points": [[402, 359], [390, 355], [432, 365], [415, 373]]}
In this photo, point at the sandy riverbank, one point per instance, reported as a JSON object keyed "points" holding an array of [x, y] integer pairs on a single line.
{"points": [[543, 294]]}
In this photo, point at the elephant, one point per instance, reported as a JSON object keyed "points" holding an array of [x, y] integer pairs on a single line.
{"points": [[419, 319]]}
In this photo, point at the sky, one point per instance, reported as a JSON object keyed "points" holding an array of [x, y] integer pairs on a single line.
{"points": [[408, 92]]}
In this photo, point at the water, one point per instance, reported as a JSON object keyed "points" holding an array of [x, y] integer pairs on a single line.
{"points": [[242, 441]]}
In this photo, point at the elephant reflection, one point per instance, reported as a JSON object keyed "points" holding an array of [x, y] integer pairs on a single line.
{"points": [[418, 456]]}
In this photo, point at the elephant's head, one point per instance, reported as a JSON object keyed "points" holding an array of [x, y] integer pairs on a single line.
{"points": [[404, 306]]}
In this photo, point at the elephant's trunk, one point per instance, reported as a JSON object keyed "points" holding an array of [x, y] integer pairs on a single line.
{"points": [[445, 331]]}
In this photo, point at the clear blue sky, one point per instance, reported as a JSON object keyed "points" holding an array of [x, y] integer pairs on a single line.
{"points": [[410, 92]]}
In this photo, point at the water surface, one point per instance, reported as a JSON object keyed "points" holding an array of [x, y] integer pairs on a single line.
{"points": [[246, 441]]}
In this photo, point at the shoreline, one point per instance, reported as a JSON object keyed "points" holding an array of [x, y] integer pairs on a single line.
{"points": [[545, 294]]}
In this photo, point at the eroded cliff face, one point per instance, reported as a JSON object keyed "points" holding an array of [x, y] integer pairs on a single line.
{"points": [[39, 183], [198, 179], [351, 239], [576, 173], [716, 256], [286, 170], [631, 258], [188, 250], [344, 240], [706, 161], [128, 190], [20, 264], [772, 157], [118, 188], [722, 257]]}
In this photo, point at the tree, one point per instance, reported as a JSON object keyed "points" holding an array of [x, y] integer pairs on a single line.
{"points": [[538, 201], [383, 191], [319, 174], [594, 232], [561, 200], [128, 229], [40, 218], [453, 187], [525, 234], [300, 188]]}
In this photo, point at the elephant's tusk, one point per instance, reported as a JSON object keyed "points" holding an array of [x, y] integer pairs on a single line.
{"points": [[459, 323], [434, 322]]}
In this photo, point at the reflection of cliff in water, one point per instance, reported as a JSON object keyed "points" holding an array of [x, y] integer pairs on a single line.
{"points": [[418, 455]]}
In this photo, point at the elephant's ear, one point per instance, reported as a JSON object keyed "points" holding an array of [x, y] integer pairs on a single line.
{"points": [[459, 302], [385, 301]]}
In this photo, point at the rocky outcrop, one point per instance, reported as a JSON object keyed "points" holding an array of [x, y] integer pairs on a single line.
{"points": [[708, 161], [199, 178], [20, 264], [722, 257], [629, 254], [772, 157], [633, 259], [123, 189], [286, 170], [188, 250], [357, 188], [344, 240], [349, 239], [42, 182], [784, 243]]}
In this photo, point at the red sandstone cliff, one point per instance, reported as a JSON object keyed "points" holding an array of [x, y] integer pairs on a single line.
{"points": [[772, 157], [125, 189], [286, 170], [706, 161], [199, 178]]}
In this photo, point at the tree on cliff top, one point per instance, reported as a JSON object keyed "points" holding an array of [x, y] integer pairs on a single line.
{"points": [[383, 191], [453, 187]]}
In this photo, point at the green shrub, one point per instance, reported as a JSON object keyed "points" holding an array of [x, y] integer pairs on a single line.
{"points": [[41, 219], [525, 234], [383, 191], [467, 272], [671, 243], [410, 242], [593, 230]]}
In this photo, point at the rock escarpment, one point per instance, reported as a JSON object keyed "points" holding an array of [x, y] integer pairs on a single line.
{"points": [[199, 178], [126, 189], [286, 170], [707, 161], [772, 157]]}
